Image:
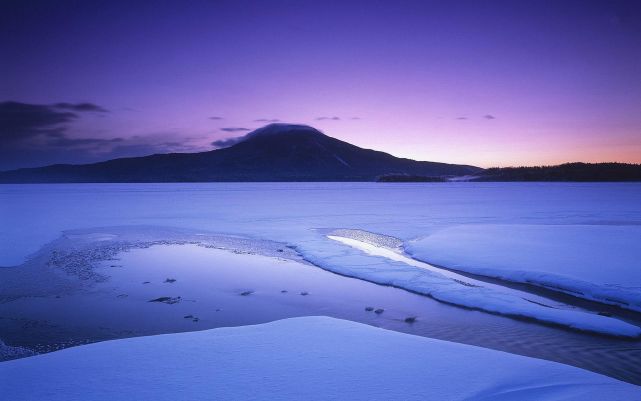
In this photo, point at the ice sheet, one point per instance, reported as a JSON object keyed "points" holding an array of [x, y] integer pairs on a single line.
{"points": [[300, 214]]}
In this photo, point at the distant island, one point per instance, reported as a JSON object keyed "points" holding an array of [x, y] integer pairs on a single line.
{"points": [[570, 172], [565, 172], [298, 153]]}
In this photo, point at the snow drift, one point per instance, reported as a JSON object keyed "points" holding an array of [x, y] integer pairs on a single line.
{"points": [[595, 262], [303, 358]]}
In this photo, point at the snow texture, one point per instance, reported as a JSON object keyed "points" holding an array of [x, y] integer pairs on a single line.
{"points": [[314, 358], [596, 262]]}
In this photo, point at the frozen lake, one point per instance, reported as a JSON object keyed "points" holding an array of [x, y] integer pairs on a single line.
{"points": [[549, 270]]}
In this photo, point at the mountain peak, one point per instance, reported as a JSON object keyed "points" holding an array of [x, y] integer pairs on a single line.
{"points": [[282, 128], [275, 152]]}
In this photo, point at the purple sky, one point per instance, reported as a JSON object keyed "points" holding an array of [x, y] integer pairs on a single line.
{"points": [[476, 82]]}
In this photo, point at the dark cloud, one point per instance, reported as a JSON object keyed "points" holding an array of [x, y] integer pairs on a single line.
{"points": [[81, 107], [327, 118], [89, 150], [34, 135], [489, 117], [20, 121], [267, 120], [215, 118], [227, 142], [235, 129], [461, 118]]}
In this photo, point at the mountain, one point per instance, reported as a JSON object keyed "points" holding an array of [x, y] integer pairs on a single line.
{"points": [[565, 172], [276, 152]]}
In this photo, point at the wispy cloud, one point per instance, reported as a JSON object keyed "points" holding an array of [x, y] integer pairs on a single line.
{"points": [[327, 118], [235, 129], [81, 107], [227, 142], [216, 118], [67, 142], [267, 120], [489, 117], [461, 118]]}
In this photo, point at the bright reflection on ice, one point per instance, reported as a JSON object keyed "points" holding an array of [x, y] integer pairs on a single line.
{"points": [[380, 251]]}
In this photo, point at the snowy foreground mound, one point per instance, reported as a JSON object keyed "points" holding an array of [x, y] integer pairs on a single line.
{"points": [[302, 358]]}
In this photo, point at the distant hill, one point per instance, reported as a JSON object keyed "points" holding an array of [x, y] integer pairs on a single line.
{"points": [[565, 172], [276, 152]]}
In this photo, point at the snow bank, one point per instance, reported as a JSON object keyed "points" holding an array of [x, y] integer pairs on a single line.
{"points": [[596, 262], [394, 269], [303, 358], [57, 267]]}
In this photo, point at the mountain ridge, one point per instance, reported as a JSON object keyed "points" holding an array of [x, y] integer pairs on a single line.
{"points": [[275, 152]]}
